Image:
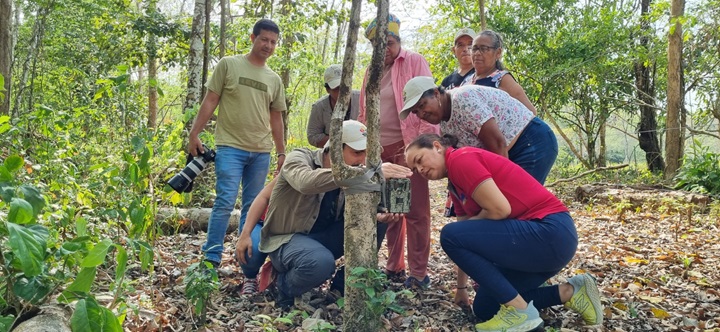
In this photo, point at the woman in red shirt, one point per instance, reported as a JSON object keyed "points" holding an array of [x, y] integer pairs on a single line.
{"points": [[512, 236]]}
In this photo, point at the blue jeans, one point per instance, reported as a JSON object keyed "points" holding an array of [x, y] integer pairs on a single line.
{"points": [[535, 150], [232, 166], [510, 257], [252, 268], [308, 260]]}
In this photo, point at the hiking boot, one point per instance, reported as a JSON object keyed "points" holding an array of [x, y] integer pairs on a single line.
{"points": [[283, 301], [413, 283], [586, 299], [249, 287], [510, 319]]}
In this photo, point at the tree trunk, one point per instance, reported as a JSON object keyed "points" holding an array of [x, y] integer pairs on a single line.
{"points": [[360, 209], [32, 54], [647, 128], [481, 8], [602, 153], [206, 45], [571, 146], [673, 136], [6, 49], [152, 71], [288, 44], [223, 26], [194, 85]]}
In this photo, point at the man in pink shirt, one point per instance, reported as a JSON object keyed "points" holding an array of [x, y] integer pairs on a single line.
{"points": [[400, 66]]}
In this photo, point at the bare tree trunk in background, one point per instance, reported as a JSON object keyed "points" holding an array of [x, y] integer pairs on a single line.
{"points": [[571, 146], [338, 38], [152, 70], [288, 44], [360, 209], [674, 139], [194, 85], [481, 7], [32, 54], [647, 128], [206, 44], [602, 153], [223, 26], [6, 49]]}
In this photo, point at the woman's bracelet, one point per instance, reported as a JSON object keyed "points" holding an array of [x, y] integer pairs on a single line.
{"points": [[465, 287]]}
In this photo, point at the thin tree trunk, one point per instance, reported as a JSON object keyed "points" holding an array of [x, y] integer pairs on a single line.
{"points": [[194, 85], [647, 128], [288, 44], [152, 71], [32, 54], [6, 49], [206, 45], [602, 154], [223, 26], [360, 232], [481, 7], [673, 140], [571, 146]]}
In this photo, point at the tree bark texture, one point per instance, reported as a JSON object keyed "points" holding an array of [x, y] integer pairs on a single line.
{"points": [[481, 8], [360, 209], [152, 71], [673, 135], [288, 44], [647, 128], [223, 26], [206, 46], [194, 85], [6, 49]]}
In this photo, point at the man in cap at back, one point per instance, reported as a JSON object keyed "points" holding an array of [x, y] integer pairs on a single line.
{"points": [[462, 49], [304, 229], [318, 127]]}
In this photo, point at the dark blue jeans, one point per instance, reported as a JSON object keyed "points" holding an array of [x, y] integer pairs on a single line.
{"points": [[535, 150], [308, 260], [510, 257]]}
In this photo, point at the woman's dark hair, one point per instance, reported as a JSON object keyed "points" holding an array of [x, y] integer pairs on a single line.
{"points": [[425, 141], [265, 24], [497, 43], [431, 92]]}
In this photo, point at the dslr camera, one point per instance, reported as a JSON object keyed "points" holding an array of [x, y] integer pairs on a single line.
{"points": [[182, 182]]}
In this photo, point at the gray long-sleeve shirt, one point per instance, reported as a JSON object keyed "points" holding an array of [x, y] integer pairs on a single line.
{"points": [[319, 123]]}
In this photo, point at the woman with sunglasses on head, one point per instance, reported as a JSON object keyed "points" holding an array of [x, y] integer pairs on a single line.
{"points": [[512, 236], [487, 50]]}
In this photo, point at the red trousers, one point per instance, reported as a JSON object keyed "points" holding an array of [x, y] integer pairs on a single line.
{"points": [[416, 224]]}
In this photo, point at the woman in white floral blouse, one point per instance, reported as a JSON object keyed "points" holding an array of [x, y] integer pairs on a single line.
{"points": [[487, 118]]}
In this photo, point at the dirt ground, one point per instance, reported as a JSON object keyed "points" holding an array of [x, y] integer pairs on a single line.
{"points": [[657, 271]]}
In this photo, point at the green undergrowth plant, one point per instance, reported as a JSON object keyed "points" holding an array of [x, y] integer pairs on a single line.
{"points": [[375, 284], [699, 172], [201, 282], [269, 324]]}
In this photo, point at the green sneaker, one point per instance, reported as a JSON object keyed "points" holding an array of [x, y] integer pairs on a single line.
{"points": [[586, 299], [509, 319]]}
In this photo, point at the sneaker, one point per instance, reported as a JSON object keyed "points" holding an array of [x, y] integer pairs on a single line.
{"points": [[412, 283], [249, 287], [283, 301], [509, 319], [586, 299]]}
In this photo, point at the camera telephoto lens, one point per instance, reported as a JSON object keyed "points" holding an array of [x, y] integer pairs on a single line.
{"points": [[182, 182]]}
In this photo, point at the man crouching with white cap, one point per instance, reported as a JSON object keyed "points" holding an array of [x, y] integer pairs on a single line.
{"points": [[304, 229]]}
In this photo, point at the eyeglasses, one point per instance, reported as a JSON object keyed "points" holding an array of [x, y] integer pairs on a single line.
{"points": [[482, 49]]}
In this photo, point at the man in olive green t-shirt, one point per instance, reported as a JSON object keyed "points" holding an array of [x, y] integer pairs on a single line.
{"points": [[251, 99]]}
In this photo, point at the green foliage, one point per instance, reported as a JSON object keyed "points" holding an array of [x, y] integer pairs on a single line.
{"points": [[699, 172], [374, 283], [89, 316], [201, 282]]}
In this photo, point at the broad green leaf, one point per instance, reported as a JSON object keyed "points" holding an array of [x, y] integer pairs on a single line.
{"points": [[121, 259], [138, 143], [32, 289], [96, 256], [6, 323], [34, 197], [80, 286], [86, 317], [28, 244], [5, 175], [13, 163], [81, 226], [21, 212]]}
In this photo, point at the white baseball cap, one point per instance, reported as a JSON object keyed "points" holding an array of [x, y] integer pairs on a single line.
{"points": [[354, 134], [333, 75], [465, 32], [412, 92]]}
